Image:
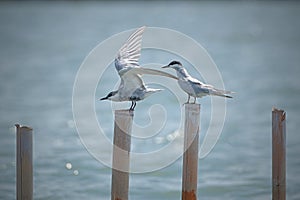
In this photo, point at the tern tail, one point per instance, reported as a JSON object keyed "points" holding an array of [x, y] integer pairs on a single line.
{"points": [[221, 94], [151, 91], [227, 96]]}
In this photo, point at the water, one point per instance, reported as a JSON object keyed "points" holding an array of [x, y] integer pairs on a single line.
{"points": [[254, 44]]}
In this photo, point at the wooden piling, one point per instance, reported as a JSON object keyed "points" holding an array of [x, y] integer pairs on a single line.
{"points": [[190, 156], [278, 154], [24, 171], [121, 154]]}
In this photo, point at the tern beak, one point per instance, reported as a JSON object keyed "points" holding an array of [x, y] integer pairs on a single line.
{"points": [[167, 66], [104, 98]]}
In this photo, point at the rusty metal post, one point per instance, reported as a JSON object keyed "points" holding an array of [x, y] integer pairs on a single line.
{"points": [[24, 171], [278, 154]]}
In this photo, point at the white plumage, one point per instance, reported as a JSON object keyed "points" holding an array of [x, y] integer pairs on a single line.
{"points": [[192, 86], [132, 88]]}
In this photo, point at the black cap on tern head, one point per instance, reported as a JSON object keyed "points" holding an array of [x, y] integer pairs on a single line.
{"points": [[175, 62]]}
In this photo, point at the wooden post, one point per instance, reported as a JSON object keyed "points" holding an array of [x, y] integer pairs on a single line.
{"points": [[24, 163], [278, 155], [190, 156], [121, 154]]}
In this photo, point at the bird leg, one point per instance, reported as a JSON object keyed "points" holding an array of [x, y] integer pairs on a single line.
{"points": [[131, 107], [133, 104], [188, 101], [194, 100]]}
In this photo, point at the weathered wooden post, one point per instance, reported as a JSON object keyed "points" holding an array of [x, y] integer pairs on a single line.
{"points": [[121, 154], [278, 154], [24, 185], [190, 156]]}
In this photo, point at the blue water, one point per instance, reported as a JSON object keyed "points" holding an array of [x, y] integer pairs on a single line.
{"points": [[256, 46]]}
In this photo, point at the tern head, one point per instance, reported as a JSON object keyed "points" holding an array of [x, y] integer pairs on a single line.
{"points": [[174, 64], [109, 96]]}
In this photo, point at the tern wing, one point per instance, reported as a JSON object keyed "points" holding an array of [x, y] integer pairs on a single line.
{"points": [[195, 81], [140, 71], [212, 88], [217, 92], [130, 82], [129, 53], [131, 77], [196, 86], [200, 87]]}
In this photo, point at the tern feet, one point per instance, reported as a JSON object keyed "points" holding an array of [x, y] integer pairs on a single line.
{"points": [[194, 100], [133, 104], [188, 100]]}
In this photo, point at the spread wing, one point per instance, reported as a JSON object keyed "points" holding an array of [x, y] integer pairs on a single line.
{"points": [[129, 53], [141, 71], [127, 64], [131, 77], [131, 71], [130, 81]]}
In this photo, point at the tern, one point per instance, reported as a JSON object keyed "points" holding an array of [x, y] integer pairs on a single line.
{"points": [[132, 87], [192, 86]]}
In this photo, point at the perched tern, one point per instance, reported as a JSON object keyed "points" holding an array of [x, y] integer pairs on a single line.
{"points": [[132, 87], [192, 86]]}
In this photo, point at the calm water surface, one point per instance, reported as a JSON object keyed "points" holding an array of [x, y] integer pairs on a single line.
{"points": [[254, 44]]}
